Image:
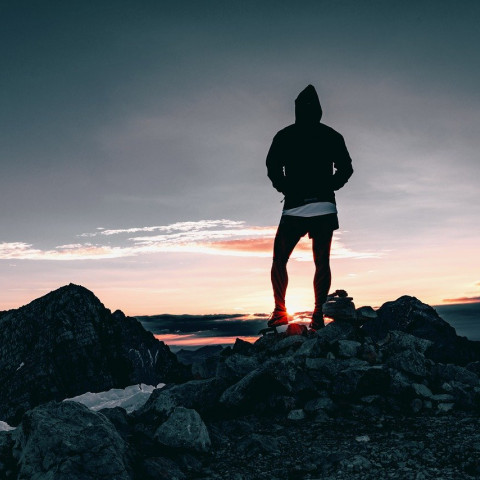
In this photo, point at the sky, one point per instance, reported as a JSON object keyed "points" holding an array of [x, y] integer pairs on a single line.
{"points": [[134, 134]]}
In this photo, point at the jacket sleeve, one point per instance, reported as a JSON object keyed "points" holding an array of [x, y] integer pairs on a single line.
{"points": [[275, 164], [343, 165]]}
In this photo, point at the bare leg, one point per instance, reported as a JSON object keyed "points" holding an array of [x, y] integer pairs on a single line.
{"points": [[285, 241], [323, 277]]}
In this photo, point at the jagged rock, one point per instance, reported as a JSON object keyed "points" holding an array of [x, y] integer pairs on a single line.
{"points": [[185, 429], [365, 313], [322, 403], [422, 390], [447, 373], [398, 341], [416, 405], [360, 381], [236, 366], [409, 361], [445, 407], [336, 331], [206, 368], [8, 465], [250, 390], [201, 395], [310, 348], [348, 348], [65, 441], [243, 348], [67, 343], [410, 315], [292, 341], [297, 414], [291, 376]]}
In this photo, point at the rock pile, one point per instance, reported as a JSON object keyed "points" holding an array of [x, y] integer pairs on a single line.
{"points": [[339, 307], [310, 405]]}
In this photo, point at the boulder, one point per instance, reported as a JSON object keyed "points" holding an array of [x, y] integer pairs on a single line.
{"points": [[236, 366], [184, 429], [361, 381], [68, 441]]}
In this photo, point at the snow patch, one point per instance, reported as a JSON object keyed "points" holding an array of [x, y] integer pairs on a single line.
{"points": [[4, 427], [130, 398], [20, 366]]}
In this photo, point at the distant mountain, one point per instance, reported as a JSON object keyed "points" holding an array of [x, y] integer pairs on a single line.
{"points": [[67, 343]]}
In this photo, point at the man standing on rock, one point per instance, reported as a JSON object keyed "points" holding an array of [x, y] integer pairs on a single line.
{"points": [[300, 164]]}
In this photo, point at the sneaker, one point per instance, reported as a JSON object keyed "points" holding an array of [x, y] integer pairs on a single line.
{"points": [[317, 322], [278, 318]]}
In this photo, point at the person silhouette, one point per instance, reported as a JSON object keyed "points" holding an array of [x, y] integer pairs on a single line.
{"points": [[307, 162]]}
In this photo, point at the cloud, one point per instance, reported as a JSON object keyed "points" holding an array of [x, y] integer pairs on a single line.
{"points": [[213, 237], [462, 300]]}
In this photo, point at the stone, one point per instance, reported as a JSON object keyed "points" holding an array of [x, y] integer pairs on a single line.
{"points": [[201, 395], [292, 341], [398, 341], [448, 373], [416, 405], [66, 440], [297, 414], [422, 390], [206, 368], [161, 468], [317, 404], [445, 407], [410, 362], [184, 429], [360, 381], [237, 366], [310, 348], [348, 348]]}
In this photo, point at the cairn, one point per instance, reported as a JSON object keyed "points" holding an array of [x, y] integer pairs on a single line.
{"points": [[339, 307]]}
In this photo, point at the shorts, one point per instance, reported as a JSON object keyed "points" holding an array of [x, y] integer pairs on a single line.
{"points": [[320, 226]]}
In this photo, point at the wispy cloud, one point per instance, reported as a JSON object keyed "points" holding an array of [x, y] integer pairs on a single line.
{"points": [[214, 237], [462, 300]]}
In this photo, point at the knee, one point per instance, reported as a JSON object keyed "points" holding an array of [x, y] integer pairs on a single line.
{"points": [[279, 260]]}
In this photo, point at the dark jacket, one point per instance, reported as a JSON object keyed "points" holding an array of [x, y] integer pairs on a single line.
{"points": [[302, 157]]}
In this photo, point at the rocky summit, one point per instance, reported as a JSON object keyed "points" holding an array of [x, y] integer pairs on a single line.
{"points": [[67, 343], [353, 400]]}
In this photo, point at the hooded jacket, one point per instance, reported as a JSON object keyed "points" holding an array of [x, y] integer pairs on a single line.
{"points": [[308, 160]]}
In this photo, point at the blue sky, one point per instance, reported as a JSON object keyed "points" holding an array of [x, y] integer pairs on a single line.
{"points": [[158, 117]]}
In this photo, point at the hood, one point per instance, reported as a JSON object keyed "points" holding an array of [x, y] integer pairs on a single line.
{"points": [[307, 106]]}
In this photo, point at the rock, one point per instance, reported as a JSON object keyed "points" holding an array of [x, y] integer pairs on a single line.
{"points": [[335, 331], [409, 361], [292, 341], [201, 395], [8, 465], [410, 315], [161, 468], [243, 348], [416, 405], [422, 390], [237, 366], [297, 414], [67, 343], [255, 387], [255, 444], [206, 368], [296, 329], [348, 348], [360, 381], [184, 429], [447, 373], [365, 313], [320, 404], [397, 341], [310, 348], [66, 440], [444, 407]]}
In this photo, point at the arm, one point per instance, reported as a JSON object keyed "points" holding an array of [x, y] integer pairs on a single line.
{"points": [[342, 164], [275, 163]]}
